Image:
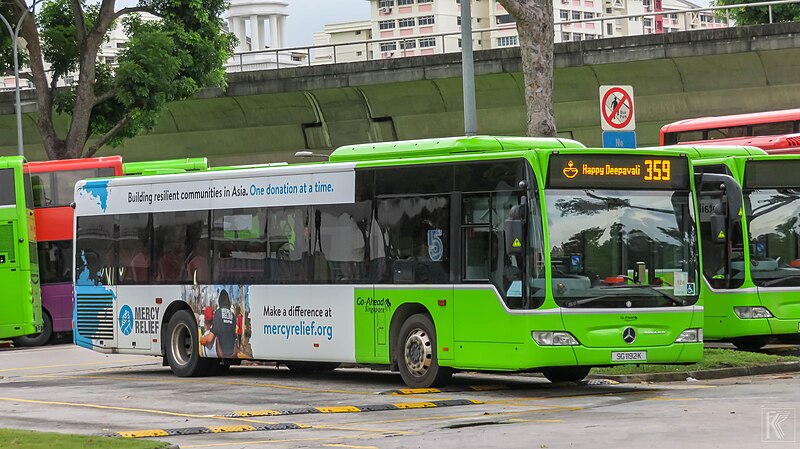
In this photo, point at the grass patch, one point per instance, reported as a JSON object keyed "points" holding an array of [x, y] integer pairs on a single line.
{"points": [[26, 439], [712, 359]]}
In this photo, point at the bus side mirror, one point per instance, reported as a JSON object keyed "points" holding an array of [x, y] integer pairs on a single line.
{"points": [[719, 233], [514, 228], [733, 194], [515, 236]]}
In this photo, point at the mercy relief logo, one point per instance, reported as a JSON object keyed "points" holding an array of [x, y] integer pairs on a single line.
{"points": [[778, 425], [126, 320]]}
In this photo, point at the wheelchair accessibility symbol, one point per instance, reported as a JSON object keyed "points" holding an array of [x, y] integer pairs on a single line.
{"points": [[690, 288]]}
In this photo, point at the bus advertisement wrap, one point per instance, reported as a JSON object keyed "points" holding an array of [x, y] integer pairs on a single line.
{"points": [[315, 324], [97, 197]]}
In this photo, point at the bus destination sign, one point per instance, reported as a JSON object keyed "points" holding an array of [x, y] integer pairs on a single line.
{"points": [[621, 171]]}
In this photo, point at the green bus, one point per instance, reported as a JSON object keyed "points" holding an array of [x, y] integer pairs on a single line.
{"points": [[165, 166], [752, 272], [426, 256], [19, 269]]}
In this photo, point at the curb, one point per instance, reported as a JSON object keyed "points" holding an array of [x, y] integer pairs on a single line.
{"points": [[719, 373]]}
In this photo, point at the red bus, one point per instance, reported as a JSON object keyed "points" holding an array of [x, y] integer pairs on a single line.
{"points": [[773, 130], [53, 185]]}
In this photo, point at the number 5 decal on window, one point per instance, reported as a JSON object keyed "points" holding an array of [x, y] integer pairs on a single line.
{"points": [[435, 245]]}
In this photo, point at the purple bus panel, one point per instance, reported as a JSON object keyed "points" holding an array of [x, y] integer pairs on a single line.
{"points": [[57, 301]]}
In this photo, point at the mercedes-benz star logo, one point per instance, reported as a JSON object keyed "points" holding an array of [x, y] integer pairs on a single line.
{"points": [[629, 335]]}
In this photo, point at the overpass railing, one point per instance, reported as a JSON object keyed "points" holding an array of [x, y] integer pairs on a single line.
{"points": [[578, 29]]}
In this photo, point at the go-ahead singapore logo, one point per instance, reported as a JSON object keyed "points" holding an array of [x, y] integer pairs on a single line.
{"points": [[570, 171]]}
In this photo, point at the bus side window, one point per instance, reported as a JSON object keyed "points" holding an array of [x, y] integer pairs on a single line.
{"points": [[177, 236], [95, 250], [7, 190], [134, 248], [239, 248]]}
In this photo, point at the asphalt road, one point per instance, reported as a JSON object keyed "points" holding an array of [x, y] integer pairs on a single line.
{"points": [[68, 389]]}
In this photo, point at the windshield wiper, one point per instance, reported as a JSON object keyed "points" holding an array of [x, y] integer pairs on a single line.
{"points": [[651, 287], [779, 280]]}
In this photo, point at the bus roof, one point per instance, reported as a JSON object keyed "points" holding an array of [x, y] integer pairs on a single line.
{"points": [[782, 142], [77, 164], [444, 147], [710, 150], [165, 166], [753, 118], [11, 161]]}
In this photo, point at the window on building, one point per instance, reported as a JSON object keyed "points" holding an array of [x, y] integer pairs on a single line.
{"points": [[388, 46], [459, 42], [122, 44], [563, 14], [507, 41], [505, 18], [609, 29], [588, 37], [425, 20], [386, 24], [385, 3], [427, 42], [424, 1], [576, 15], [408, 44], [577, 36], [406, 22], [564, 37], [405, 2], [647, 23], [588, 15]]}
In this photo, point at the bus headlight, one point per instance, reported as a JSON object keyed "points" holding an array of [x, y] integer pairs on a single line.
{"points": [[690, 336], [752, 312], [554, 339]]}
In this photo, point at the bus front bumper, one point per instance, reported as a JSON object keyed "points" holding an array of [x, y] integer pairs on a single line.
{"points": [[676, 353]]}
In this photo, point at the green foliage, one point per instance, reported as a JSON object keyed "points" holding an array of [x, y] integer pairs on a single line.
{"points": [[754, 16], [6, 49], [166, 60]]}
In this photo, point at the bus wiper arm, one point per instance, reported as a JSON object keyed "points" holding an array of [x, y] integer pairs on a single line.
{"points": [[651, 287], [580, 302], [779, 280]]}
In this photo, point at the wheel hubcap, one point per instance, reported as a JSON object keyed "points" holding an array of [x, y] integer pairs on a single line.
{"points": [[418, 352], [181, 343]]}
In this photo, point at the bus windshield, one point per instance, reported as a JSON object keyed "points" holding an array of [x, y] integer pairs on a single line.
{"points": [[774, 225], [622, 248]]}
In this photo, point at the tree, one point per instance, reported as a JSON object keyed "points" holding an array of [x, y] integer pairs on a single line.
{"points": [[165, 60], [536, 32], [758, 15]]}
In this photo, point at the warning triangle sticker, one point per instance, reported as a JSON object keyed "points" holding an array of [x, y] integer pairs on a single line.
{"points": [[740, 211], [516, 243], [721, 235]]}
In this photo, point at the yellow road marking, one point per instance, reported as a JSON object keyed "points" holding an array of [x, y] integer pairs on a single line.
{"points": [[144, 433], [341, 409], [66, 365], [130, 409], [224, 429], [417, 391], [242, 414], [350, 446], [404, 405]]}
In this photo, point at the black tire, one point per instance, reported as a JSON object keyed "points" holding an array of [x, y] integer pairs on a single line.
{"points": [[312, 367], [566, 373], [416, 354], [182, 345], [750, 344], [40, 339]]}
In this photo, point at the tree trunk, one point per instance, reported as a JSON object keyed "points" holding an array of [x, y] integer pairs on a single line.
{"points": [[535, 28]]}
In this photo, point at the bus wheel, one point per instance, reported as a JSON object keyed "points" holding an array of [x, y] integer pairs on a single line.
{"points": [[566, 373], [40, 339], [750, 343], [416, 354], [182, 346], [312, 367]]}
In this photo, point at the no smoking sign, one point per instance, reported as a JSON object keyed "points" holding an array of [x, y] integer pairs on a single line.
{"points": [[616, 108]]}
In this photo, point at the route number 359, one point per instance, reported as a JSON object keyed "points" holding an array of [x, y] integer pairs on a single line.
{"points": [[657, 170]]}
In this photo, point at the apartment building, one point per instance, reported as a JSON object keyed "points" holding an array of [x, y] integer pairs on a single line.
{"points": [[414, 27], [347, 38]]}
